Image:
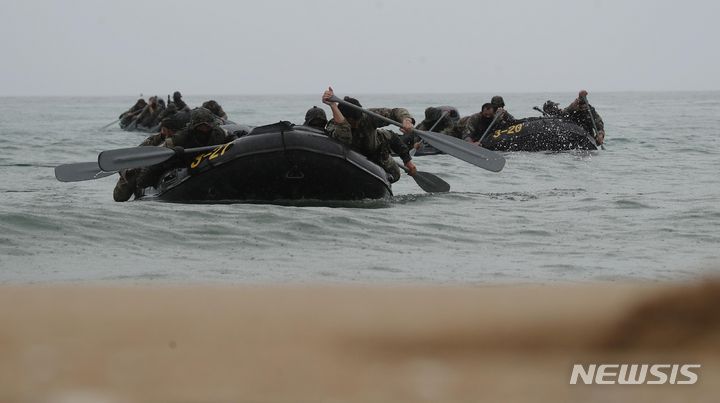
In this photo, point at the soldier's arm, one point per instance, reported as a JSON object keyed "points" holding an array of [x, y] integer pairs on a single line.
{"points": [[598, 120], [396, 114], [467, 128], [340, 131], [229, 136], [399, 148]]}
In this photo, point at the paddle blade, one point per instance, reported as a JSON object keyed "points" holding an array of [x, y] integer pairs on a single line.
{"points": [[82, 171], [470, 153], [134, 157], [431, 183]]}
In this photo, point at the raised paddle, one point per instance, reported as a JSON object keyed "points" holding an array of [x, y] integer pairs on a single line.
{"points": [[427, 181], [137, 157], [583, 98], [414, 150], [460, 149], [81, 171]]}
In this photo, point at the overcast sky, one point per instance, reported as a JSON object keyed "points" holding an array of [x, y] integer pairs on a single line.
{"points": [[129, 47]]}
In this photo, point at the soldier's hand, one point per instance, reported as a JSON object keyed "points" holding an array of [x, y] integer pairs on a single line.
{"points": [[407, 126], [327, 95], [600, 138], [412, 169]]}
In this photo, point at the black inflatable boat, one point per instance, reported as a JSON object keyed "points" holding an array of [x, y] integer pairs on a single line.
{"points": [[539, 134], [533, 134], [273, 163]]}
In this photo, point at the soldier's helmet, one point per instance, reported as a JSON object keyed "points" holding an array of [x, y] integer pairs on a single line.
{"points": [[200, 116], [434, 113], [172, 123], [315, 117], [351, 113], [498, 101]]}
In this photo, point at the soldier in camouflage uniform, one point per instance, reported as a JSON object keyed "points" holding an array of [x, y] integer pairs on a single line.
{"points": [[471, 128], [201, 131], [579, 112], [506, 118], [432, 121], [361, 133], [149, 117], [127, 184], [179, 103], [315, 117], [128, 116], [216, 109]]}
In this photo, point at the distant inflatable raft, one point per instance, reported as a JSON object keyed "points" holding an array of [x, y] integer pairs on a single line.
{"points": [[539, 134], [534, 134], [275, 162]]}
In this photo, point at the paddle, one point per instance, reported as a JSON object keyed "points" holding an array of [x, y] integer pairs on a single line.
{"points": [[497, 116], [81, 171], [460, 149], [137, 157], [133, 125], [110, 124], [540, 110], [414, 150], [427, 181], [592, 118]]}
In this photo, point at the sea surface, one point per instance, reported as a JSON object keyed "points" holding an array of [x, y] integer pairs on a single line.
{"points": [[646, 208]]}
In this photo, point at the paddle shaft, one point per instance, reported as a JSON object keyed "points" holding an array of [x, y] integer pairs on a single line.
{"points": [[497, 116], [592, 119], [110, 124], [437, 122]]}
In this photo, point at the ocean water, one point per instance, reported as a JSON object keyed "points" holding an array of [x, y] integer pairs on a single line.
{"points": [[646, 208]]}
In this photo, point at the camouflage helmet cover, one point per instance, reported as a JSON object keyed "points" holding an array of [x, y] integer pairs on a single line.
{"points": [[200, 116], [315, 113]]}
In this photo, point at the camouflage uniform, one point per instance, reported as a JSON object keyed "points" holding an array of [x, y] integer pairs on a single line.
{"points": [[149, 117], [171, 110], [128, 116], [432, 115], [582, 117], [575, 114], [374, 144], [179, 103], [506, 119], [189, 137], [127, 183], [472, 127]]}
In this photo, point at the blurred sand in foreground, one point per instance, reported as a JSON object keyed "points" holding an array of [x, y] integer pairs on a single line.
{"points": [[351, 344]]}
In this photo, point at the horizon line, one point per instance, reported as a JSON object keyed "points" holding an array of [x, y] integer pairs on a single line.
{"points": [[359, 93]]}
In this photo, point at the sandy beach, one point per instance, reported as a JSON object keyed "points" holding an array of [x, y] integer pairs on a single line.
{"points": [[351, 344]]}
